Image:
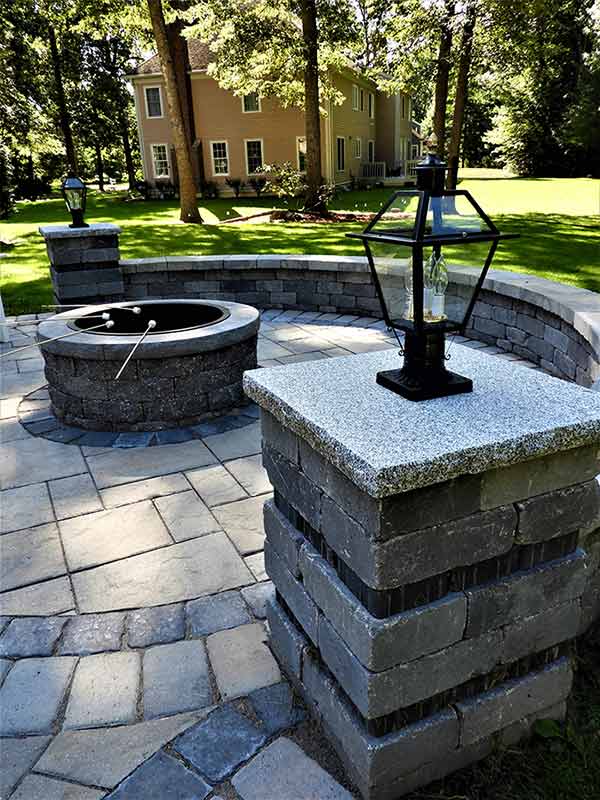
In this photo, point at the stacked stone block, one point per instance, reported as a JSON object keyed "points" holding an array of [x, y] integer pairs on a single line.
{"points": [[84, 263], [313, 284], [423, 628], [535, 334], [153, 393]]}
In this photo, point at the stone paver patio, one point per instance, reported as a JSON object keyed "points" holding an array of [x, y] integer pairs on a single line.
{"points": [[134, 658]]}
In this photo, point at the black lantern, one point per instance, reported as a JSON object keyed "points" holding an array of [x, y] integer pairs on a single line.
{"points": [[74, 192], [404, 248]]}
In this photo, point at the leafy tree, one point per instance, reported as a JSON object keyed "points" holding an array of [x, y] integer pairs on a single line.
{"points": [[286, 49]]}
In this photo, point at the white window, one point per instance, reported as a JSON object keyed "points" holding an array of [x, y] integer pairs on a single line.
{"points": [[301, 153], [254, 156], [341, 154], [160, 160], [357, 147], [355, 97], [251, 103], [153, 98], [371, 105], [220, 158], [362, 100], [371, 151]]}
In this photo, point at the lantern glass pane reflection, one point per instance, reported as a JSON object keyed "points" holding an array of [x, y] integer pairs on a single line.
{"points": [[74, 199], [453, 216]]}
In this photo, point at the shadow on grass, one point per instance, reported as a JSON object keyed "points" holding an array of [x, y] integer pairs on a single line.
{"points": [[26, 297]]}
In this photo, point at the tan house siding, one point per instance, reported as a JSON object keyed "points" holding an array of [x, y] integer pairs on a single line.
{"points": [[393, 116], [351, 124], [154, 130], [219, 117]]}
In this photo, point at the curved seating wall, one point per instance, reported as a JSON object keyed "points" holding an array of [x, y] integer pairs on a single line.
{"points": [[551, 324]]}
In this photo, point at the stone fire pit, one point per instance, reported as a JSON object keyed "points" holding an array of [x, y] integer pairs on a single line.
{"points": [[188, 369]]}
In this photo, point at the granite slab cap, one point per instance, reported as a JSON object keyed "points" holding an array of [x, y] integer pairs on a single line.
{"points": [[93, 229], [242, 323], [387, 444]]}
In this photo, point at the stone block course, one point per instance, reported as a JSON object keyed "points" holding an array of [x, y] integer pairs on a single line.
{"points": [[378, 693], [525, 593], [303, 608], [302, 494], [412, 557], [535, 633], [382, 643], [489, 712], [530, 478], [371, 759], [286, 540], [551, 514], [287, 642]]}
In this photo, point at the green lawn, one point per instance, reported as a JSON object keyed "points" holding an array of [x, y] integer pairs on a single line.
{"points": [[557, 219]]}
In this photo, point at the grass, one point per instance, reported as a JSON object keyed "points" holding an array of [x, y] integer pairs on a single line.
{"points": [[557, 219]]}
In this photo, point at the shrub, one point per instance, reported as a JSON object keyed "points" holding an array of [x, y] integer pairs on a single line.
{"points": [[258, 184], [7, 196], [236, 184], [209, 189]]}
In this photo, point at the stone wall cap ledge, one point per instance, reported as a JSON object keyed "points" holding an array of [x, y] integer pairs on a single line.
{"points": [[65, 232], [388, 445]]}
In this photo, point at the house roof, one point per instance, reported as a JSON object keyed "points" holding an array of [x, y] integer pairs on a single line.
{"points": [[200, 56]]}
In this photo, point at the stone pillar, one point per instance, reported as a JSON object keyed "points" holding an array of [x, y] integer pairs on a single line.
{"points": [[427, 557], [84, 263]]}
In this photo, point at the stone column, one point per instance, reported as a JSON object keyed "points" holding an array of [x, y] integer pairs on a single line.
{"points": [[428, 558], [84, 263]]}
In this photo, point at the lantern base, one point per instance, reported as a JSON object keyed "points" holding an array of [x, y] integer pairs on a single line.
{"points": [[442, 384]]}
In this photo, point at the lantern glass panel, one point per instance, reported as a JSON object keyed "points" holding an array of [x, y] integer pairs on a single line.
{"points": [[453, 215], [74, 199], [393, 265], [399, 218], [445, 302]]}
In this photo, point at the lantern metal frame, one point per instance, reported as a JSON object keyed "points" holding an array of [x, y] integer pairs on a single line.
{"points": [[77, 214], [423, 375]]}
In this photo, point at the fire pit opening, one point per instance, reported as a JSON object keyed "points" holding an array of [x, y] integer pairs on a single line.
{"points": [[169, 317], [185, 370]]}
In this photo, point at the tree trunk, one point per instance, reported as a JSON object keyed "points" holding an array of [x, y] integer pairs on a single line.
{"points": [[99, 165], [64, 118], [181, 64], [442, 77], [187, 187], [127, 150], [312, 116], [462, 89]]}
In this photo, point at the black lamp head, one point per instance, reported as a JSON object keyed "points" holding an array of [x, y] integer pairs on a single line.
{"points": [[74, 192]]}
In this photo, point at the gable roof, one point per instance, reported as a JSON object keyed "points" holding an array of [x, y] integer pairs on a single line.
{"points": [[199, 54]]}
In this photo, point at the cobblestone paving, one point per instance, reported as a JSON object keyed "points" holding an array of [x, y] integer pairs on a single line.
{"points": [[134, 658]]}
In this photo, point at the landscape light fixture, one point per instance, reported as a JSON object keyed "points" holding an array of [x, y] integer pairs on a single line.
{"points": [[74, 192], [404, 245]]}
